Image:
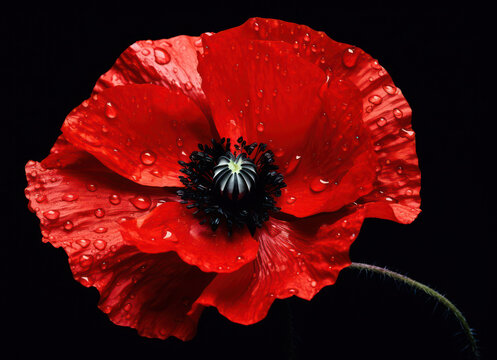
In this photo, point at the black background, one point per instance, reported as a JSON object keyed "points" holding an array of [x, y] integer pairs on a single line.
{"points": [[54, 56]]}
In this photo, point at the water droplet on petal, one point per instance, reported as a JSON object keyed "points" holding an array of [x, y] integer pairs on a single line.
{"points": [[397, 113], [115, 199], [110, 111], [349, 57], [100, 244], [91, 187], [168, 235], [260, 127], [375, 99], [70, 197], [141, 202], [51, 214], [390, 89], [381, 122], [83, 242], [375, 65], [85, 260], [100, 213], [408, 134], [188, 86], [148, 157], [319, 184], [291, 199], [41, 198], [100, 230], [292, 164], [179, 142], [68, 225], [161, 56]]}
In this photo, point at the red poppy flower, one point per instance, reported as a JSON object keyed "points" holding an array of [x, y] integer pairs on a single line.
{"points": [[165, 186]]}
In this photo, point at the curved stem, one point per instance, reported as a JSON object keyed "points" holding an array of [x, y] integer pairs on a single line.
{"points": [[429, 291]]}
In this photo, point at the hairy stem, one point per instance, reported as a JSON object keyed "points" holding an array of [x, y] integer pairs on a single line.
{"points": [[427, 290]]}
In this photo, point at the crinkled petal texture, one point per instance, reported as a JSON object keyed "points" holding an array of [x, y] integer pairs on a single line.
{"points": [[171, 63], [341, 134], [355, 144], [81, 205], [139, 131], [296, 257], [165, 229]]}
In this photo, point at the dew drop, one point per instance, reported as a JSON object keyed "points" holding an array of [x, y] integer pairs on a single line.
{"points": [[110, 111], [349, 57], [319, 184], [100, 230], [168, 235], [100, 244], [279, 152], [115, 199], [314, 283], [375, 65], [141, 202], [375, 99], [91, 187], [188, 86], [83, 242], [260, 127], [68, 225], [161, 56], [291, 199], [100, 213], [148, 157], [260, 93], [292, 164], [381, 122], [389, 89], [397, 113], [51, 214], [85, 260], [179, 142], [41, 198], [408, 134], [70, 197], [240, 258]]}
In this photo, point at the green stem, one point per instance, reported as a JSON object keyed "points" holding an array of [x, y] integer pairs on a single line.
{"points": [[435, 294]]}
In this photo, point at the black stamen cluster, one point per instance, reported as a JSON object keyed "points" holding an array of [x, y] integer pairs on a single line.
{"points": [[211, 205]]}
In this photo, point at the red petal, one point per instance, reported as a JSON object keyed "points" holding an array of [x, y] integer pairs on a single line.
{"points": [[386, 115], [171, 63], [172, 227], [152, 293], [295, 258], [258, 90], [81, 204], [338, 164], [139, 131]]}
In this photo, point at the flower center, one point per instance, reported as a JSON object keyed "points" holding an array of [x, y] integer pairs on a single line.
{"points": [[235, 176], [235, 188]]}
